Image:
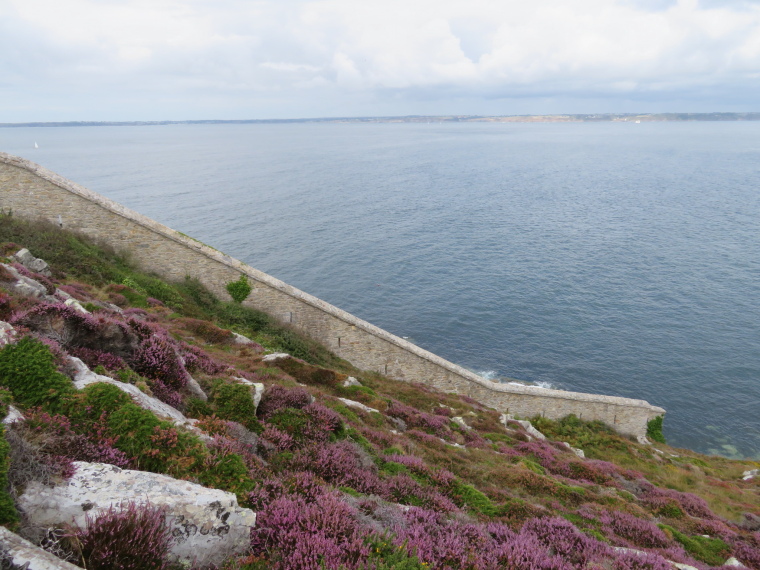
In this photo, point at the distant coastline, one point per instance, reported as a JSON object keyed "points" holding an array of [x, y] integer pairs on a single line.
{"points": [[579, 118]]}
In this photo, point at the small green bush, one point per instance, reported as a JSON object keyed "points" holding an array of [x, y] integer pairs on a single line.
{"points": [[233, 402], [385, 555], [465, 495], [712, 551], [28, 371], [654, 430], [240, 289], [227, 471], [8, 516]]}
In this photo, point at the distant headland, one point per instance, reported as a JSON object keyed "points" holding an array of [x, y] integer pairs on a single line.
{"points": [[578, 118]]}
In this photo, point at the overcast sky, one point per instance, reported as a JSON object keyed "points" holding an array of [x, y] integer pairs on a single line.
{"points": [[248, 59]]}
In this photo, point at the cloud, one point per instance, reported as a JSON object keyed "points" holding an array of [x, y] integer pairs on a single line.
{"points": [[277, 57]]}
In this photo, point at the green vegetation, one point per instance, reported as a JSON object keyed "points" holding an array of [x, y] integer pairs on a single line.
{"points": [[240, 289], [28, 371], [320, 473], [712, 551], [233, 402], [654, 430]]}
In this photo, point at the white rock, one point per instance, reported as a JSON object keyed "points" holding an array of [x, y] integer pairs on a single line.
{"points": [[84, 377], [460, 422], [506, 419], [25, 285], [240, 339], [25, 258], [275, 356], [7, 333], [62, 295], [76, 305], [357, 405], [643, 440], [257, 389], [733, 562], [579, 452], [195, 389], [207, 525], [351, 381], [23, 552], [747, 475], [13, 416]]}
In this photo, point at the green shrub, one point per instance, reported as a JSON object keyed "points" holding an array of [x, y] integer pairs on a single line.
{"points": [[154, 444], [234, 402], [654, 430], [465, 495], [8, 515], [197, 408], [226, 471], [712, 551], [384, 555], [240, 289], [28, 371]]}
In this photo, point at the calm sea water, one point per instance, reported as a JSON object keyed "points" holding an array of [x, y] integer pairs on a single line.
{"points": [[612, 258]]}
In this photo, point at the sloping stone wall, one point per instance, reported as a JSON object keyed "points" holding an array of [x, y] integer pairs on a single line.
{"points": [[32, 191]]}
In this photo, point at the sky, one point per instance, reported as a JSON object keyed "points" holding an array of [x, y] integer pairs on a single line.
{"points": [[125, 60]]}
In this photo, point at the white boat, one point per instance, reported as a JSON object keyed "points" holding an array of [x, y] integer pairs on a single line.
{"points": [[36, 145]]}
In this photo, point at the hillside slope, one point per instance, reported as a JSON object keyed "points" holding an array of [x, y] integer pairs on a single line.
{"points": [[345, 468]]}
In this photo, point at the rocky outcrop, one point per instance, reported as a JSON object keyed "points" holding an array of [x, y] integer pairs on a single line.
{"points": [[207, 525], [357, 405], [15, 552], [7, 334], [25, 258], [84, 377]]}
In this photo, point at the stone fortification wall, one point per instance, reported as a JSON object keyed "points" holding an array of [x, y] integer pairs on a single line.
{"points": [[30, 190]]}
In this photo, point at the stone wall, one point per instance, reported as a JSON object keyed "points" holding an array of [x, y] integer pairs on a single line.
{"points": [[32, 191]]}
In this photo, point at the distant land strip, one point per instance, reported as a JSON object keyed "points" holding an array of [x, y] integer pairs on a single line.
{"points": [[590, 118]]}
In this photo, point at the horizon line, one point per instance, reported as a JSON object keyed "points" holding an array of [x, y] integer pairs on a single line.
{"points": [[555, 117]]}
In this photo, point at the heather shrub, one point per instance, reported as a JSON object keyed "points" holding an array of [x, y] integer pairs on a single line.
{"points": [[438, 425], [748, 555], [27, 369], [166, 394], [277, 397], [234, 402], [6, 305], [129, 537], [565, 540], [209, 332], [640, 532], [294, 534], [55, 436], [197, 360], [57, 321], [444, 543], [157, 359], [94, 357], [343, 464]]}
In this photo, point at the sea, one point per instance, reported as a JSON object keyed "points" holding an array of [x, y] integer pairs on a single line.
{"points": [[612, 257]]}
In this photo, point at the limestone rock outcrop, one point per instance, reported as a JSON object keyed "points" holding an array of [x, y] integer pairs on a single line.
{"points": [[207, 525], [25, 258], [84, 377], [23, 554]]}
